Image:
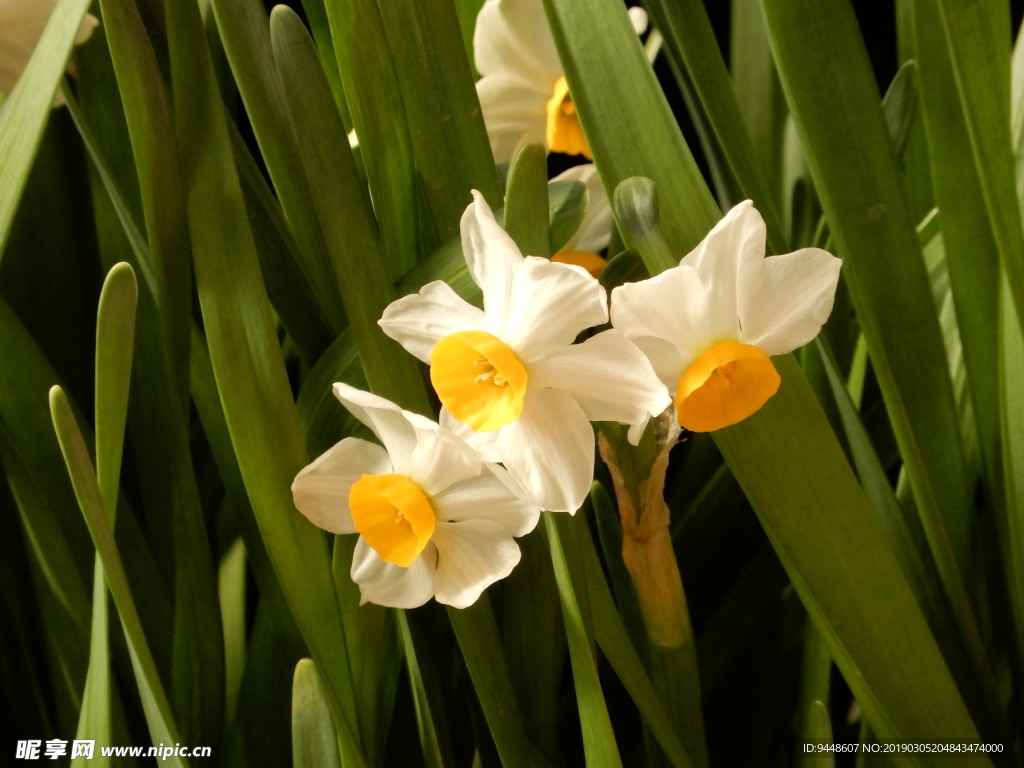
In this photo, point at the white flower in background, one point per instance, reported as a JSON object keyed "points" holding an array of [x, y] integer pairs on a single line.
{"points": [[434, 519], [524, 97], [595, 230], [21, 25], [710, 325], [523, 93], [511, 380]]}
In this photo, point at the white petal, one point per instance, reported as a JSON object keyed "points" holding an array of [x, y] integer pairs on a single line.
{"points": [[441, 459], [595, 230], [736, 241], [665, 359], [320, 491], [417, 321], [608, 376], [784, 300], [673, 306], [550, 304], [471, 556], [513, 36], [515, 112], [486, 498], [386, 420], [638, 16], [549, 450], [391, 585], [484, 443], [491, 257]]}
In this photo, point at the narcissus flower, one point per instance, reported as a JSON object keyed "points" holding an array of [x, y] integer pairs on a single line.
{"points": [[510, 378], [710, 325], [595, 230], [21, 25], [523, 93], [434, 519]]}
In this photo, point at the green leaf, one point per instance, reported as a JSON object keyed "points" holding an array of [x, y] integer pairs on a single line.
{"points": [[160, 406], [599, 745], [76, 456], [978, 36], [567, 204], [535, 643], [758, 89], [446, 127], [245, 32], [345, 215], [611, 637], [247, 363], [628, 123], [796, 476], [375, 99], [314, 744], [316, 14], [1012, 412], [691, 43], [27, 109], [972, 256], [478, 638], [151, 129], [372, 638], [817, 729], [900, 104], [289, 290], [526, 201], [627, 267], [832, 94], [435, 739], [637, 209], [231, 577], [115, 335]]}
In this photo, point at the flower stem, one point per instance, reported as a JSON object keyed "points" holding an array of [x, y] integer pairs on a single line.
{"points": [[651, 562]]}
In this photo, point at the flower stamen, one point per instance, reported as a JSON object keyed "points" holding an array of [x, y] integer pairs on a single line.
{"points": [[487, 399]]}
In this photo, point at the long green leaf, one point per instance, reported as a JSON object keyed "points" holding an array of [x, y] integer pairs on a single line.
{"points": [[115, 335], [160, 407], [793, 471], [246, 35], [26, 110], [972, 254], [598, 738], [247, 363], [690, 40], [375, 99], [978, 35], [76, 456], [758, 89], [449, 140], [345, 215], [478, 638], [314, 744], [832, 94], [151, 129]]}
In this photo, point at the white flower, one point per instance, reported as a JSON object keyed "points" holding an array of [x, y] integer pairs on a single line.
{"points": [[435, 519], [709, 325], [595, 231], [523, 93], [21, 25], [511, 380]]}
